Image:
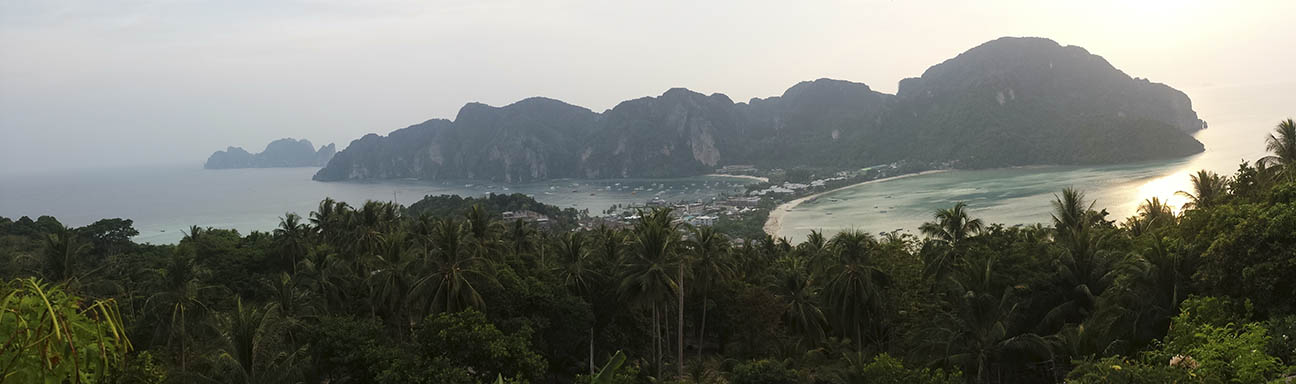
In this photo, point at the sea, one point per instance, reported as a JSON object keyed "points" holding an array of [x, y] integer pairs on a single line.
{"points": [[163, 201], [1239, 119]]}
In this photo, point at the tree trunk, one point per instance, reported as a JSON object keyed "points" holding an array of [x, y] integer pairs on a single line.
{"points": [[680, 333], [701, 340], [184, 334], [656, 342]]}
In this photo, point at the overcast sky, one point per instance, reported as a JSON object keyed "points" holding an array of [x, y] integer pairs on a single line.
{"points": [[113, 83]]}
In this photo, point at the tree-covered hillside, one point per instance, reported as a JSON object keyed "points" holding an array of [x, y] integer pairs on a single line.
{"points": [[379, 294]]}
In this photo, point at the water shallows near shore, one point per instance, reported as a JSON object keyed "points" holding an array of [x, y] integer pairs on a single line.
{"points": [[773, 223]]}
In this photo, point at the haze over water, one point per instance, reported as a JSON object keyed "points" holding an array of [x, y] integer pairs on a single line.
{"points": [[1240, 117], [172, 198], [163, 201]]}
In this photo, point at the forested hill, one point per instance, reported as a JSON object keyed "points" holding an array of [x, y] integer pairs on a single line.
{"points": [[1008, 102], [279, 153]]}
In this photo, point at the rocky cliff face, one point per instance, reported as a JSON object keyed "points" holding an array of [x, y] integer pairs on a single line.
{"points": [[279, 153], [529, 140], [1011, 101], [679, 132], [1017, 101]]}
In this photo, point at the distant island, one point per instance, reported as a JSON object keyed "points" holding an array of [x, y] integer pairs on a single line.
{"points": [[1008, 102], [279, 153]]}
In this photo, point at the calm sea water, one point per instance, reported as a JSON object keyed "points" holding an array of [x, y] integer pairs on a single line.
{"points": [[163, 201], [1240, 117]]}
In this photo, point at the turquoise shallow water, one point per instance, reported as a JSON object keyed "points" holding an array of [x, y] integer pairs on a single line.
{"points": [[165, 200], [1239, 119]]}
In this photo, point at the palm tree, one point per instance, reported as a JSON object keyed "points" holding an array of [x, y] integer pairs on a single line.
{"points": [[369, 224], [289, 297], [326, 273], [1169, 271], [291, 239], [1153, 283], [451, 267], [977, 334], [195, 233], [854, 283], [1152, 213], [251, 337], [796, 288], [609, 243], [815, 247], [327, 218], [390, 278], [61, 258], [1070, 214], [578, 273], [952, 227], [1282, 143], [522, 238], [179, 290], [1209, 189], [709, 256], [646, 279], [576, 258], [485, 232], [770, 247], [1084, 266]]}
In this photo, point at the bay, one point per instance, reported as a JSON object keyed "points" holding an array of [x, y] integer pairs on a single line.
{"points": [[1239, 116], [165, 200]]}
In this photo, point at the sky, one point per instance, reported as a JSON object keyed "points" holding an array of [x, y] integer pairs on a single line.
{"points": [[101, 83]]}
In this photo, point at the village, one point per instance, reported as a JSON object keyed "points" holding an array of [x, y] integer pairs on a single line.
{"points": [[776, 186]]}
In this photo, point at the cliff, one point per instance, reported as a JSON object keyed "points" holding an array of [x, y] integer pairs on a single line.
{"points": [[1011, 101], [279, 153]]}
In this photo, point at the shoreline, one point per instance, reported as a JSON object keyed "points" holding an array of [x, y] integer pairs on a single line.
{"points": [[774, 224], [748, 177]]}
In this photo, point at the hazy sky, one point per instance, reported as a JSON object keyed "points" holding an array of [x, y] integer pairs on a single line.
{"points": [[105, 83]]}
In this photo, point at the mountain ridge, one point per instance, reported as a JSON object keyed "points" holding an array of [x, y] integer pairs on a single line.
{"points": [[1007, 102], [286, 152]]}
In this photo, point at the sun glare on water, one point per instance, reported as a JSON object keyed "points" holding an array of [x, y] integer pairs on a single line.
{"points": [[1166, 188]]}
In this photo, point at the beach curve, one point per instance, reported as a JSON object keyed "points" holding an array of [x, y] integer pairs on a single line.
{"points": [[773, 224]]}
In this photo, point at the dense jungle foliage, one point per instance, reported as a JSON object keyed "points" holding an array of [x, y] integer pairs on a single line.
{"points": [[375, 294]]}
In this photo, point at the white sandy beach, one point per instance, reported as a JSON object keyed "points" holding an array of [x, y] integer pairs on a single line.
{"points": [[748, 177], [773, 224]]}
